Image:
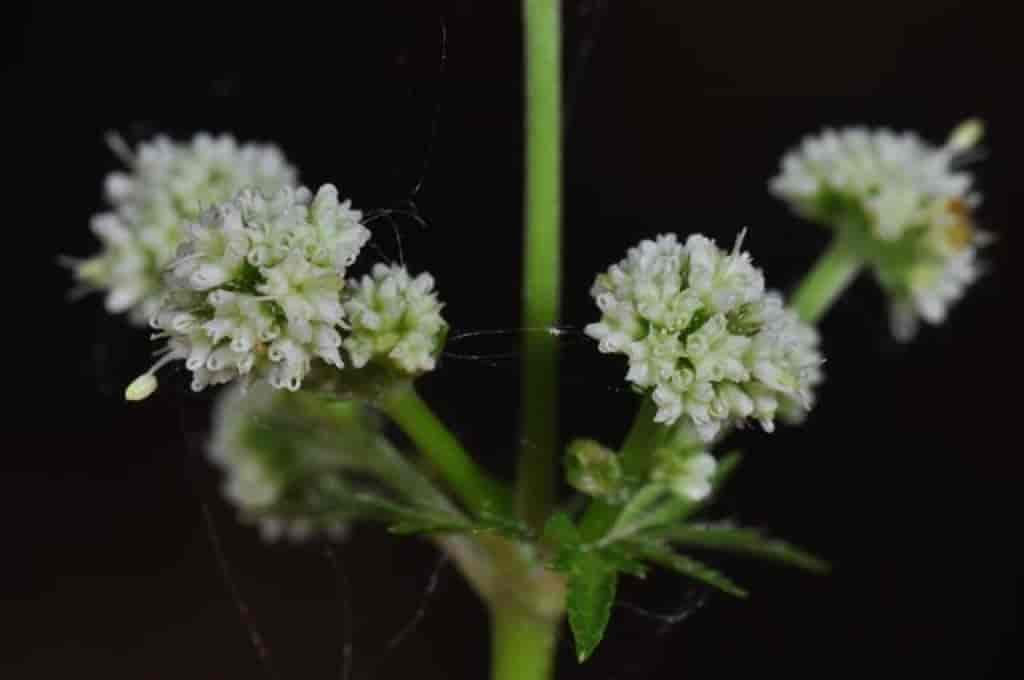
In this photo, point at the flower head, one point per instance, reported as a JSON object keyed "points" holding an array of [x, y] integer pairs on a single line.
{"points": [[255, 288], [280, 472], [169, 185], [395, 319], [902, 202], [702, 336]]}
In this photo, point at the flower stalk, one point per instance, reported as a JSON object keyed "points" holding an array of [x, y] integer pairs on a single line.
{"points": [[834, 271], [481, 493]]}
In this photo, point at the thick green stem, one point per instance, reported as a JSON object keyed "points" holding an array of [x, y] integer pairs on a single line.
{"points": [[522, 645], [644, 437], [832, 273], [478, 491], [542, 261]]}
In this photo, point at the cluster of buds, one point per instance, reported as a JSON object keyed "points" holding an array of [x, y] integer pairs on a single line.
{"points": [[596, 471], [684, 468], [169, 186], [703, 337], [902, 203]]}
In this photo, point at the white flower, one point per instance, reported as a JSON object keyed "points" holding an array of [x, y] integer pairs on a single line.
{"points": [[395, 319], [169, 185], [687, 474], [902, 202], [256, 287], [934, 285], [702, 336]]}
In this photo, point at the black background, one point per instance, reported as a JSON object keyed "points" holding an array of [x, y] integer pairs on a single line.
{"points": [[906, 476]]}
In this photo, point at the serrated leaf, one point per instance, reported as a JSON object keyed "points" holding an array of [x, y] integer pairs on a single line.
{"points": [[693, 568], [745, 542], [592, 585]]}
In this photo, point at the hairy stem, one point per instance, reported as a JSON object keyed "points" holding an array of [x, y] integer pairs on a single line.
{"points": [[835, 269], [480, 492], [542, 261]]}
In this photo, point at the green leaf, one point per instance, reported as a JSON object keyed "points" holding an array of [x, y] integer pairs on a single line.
{"points": [[427, 526], [688, 566], [744, 542], [592, 574], [563, 537], [560, 531], [592, 584]]}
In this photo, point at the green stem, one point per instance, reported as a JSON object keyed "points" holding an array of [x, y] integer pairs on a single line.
{"points": [[542, 259], [522, 646], [644, 437], [832, 273], [478, 491]]}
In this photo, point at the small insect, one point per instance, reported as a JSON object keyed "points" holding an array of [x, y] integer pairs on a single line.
{"points": [[961, 232]]}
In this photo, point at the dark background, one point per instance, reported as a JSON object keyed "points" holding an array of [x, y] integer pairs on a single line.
{"points": [[907, 475]]}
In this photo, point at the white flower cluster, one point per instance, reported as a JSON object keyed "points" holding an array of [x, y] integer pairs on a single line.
{"points": [[265, 470], [902, 202], [256, 287], [702, 335], [395, 319], [169, 185], [687, 474]]}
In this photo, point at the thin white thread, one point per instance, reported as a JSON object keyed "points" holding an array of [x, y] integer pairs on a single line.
{"points": [[345, 588], [245, 614]]}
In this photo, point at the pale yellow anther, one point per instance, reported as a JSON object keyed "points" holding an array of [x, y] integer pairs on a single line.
{"points": [[966, 135], [141, 387]]}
